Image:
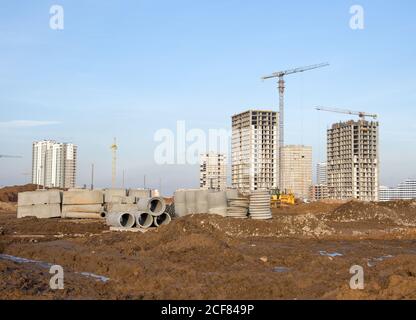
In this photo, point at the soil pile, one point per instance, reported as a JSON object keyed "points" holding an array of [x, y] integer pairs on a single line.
{"points": [[9, 194]]}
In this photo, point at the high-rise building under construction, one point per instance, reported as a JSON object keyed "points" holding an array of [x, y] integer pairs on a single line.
{"points": [[297, 170], [54, 164], [353, 160], [213, 171], [255, 150]]}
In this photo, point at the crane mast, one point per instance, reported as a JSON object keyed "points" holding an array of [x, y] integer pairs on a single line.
{"points": [[281, 87], [114, 163]]}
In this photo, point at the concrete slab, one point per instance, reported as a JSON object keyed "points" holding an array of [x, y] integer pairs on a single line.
{"points": [[129, 229], [81, 215], [140, 193], [39, 197], [120, 199], [119, 207], [83, 197], [110, 193], [40, 211], [92, 208]]}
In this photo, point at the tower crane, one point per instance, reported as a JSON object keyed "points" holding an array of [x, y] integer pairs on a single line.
{"points": [[281, 86], [361, 114], [114, 149]]}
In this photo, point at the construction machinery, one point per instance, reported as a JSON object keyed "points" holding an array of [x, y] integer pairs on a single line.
{"points": [[278, 198], [281, 86], [361, 114]]}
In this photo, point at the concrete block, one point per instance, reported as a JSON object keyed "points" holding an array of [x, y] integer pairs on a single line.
{"points": [[81, 215], [40, 211], [39, 197], [121, 200], [110, 193], [140, 193], [83, 197], [119, 207], [91, 208]]}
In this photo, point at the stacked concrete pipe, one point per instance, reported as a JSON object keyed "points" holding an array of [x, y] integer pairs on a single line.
{"points": [[121, 220], [162, 220], [190, 197], [217, 203], [144, 220], [154, 206], [202, 201], [180, 203]]}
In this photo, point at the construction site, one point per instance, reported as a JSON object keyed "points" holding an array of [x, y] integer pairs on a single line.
{"points": [[216, 242], [304, 252]]}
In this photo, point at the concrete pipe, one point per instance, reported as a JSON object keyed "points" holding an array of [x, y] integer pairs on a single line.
{"points": [[191, 201], [180, 196], [163, 219], [217, 203], [144, 220], [232, 193], [180, 209], [202, 201], [155, 206], [121, 220]]}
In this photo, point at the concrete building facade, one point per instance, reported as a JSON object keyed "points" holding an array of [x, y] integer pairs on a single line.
{"points": [[54, 164], [255, 150], [213, 171], [297, 170], [353, 160], [321, 169], [318, 192], [404, 191]]}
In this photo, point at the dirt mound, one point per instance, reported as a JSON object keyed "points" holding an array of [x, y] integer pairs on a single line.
{"points": [[395, 213], [8, 207], [34, 226], [9, 194], [355, 211]]}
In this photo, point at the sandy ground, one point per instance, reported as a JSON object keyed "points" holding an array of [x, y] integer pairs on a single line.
{"points": [[305, 252]]}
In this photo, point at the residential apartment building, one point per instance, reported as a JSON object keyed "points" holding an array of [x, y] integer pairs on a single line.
{"points": [[297, 170], [54, 164], [213, 171], [404, 191], [321, 169], [318, 192], [353, 160], [255, 150]]}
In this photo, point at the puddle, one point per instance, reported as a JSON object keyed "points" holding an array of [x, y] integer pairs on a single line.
{"points": [[94, 276], [46, 265], [281, 270], [329, 254], [372, 262]]}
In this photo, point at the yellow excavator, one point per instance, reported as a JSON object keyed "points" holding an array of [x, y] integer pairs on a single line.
{"points": [[278, 198]]}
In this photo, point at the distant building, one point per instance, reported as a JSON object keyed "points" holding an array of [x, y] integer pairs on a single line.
{"points": [[54, 164], [297, 170], [404, 191], [321, 173], [318, 192], [213, 171], [255, 150], [353, 160]]}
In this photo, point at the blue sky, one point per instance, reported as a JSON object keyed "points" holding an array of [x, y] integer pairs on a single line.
{"points": [[128, 68]]}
